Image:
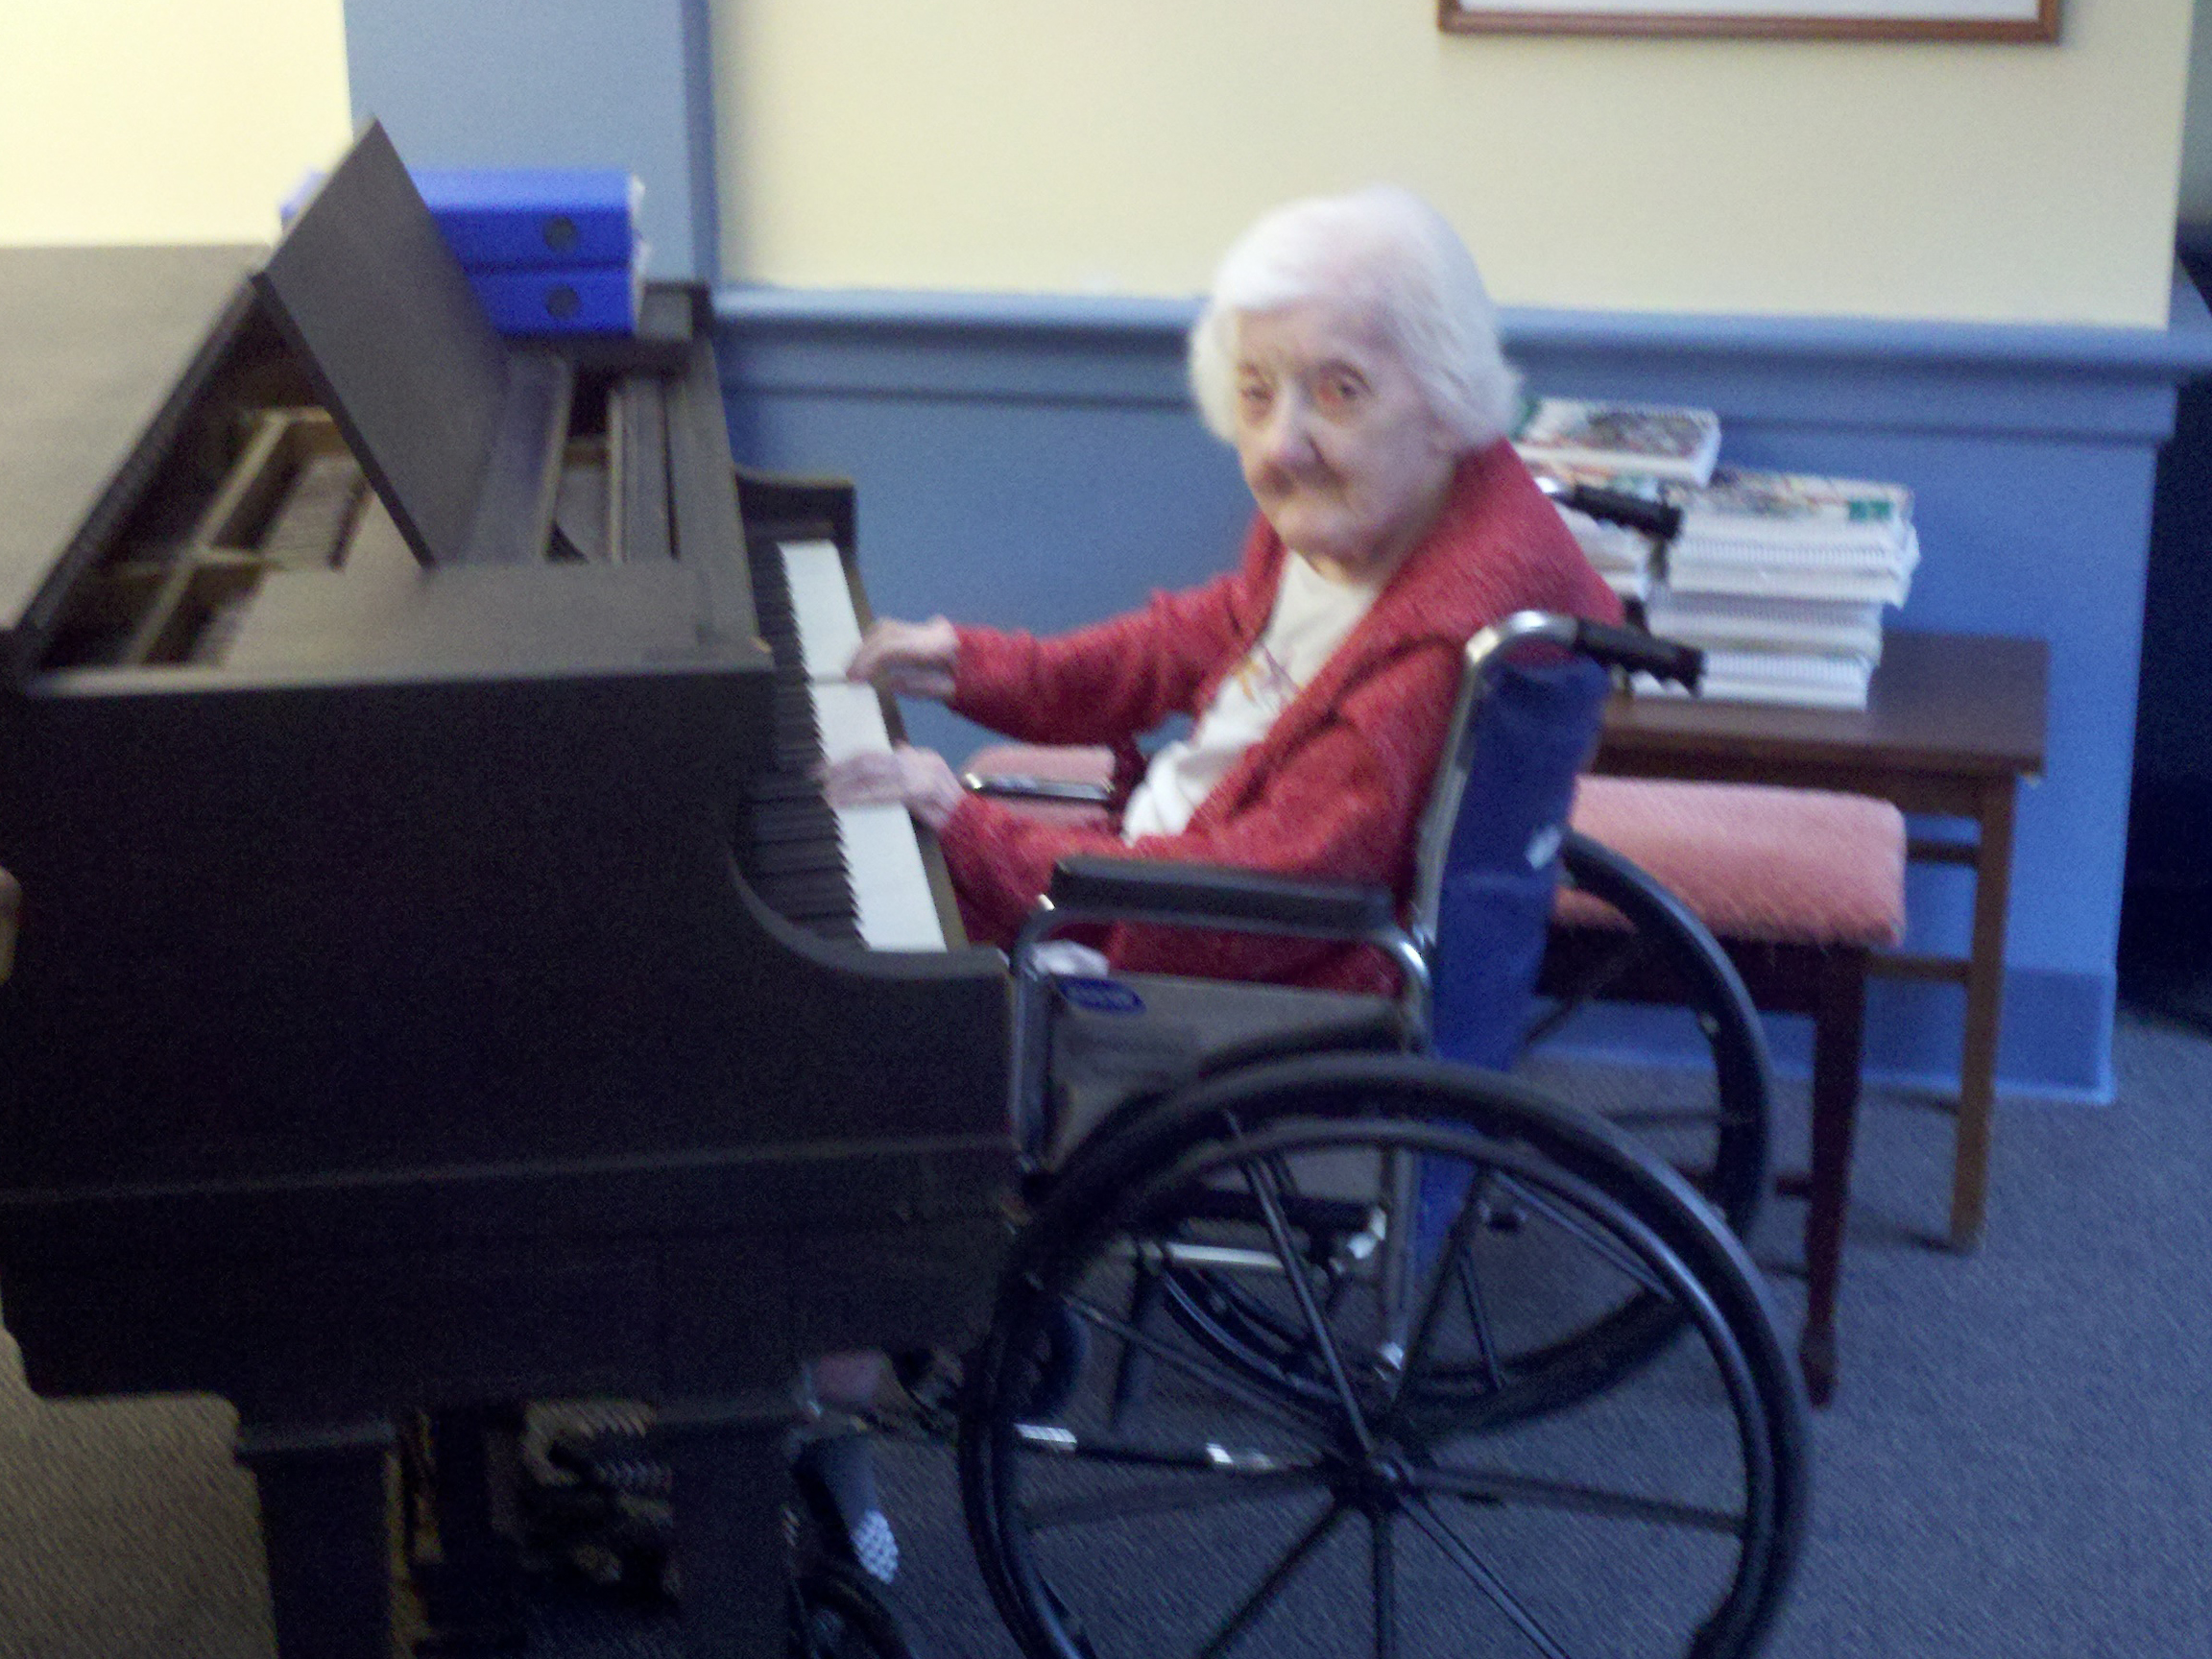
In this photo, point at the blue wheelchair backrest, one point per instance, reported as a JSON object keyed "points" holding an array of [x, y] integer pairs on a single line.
{"points": [[1520, 741]]}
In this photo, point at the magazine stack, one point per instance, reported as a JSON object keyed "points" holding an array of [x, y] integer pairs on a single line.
{"points": [[1782, 579], [1636, 449]]}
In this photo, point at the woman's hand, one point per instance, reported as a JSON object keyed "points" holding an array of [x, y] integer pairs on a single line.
{"points": [[912, 659], [918, 780]]}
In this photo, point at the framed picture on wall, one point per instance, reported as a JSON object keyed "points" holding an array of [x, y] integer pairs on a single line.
{"points": [[2019, 20]]}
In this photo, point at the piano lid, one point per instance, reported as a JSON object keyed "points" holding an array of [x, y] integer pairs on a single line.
{"points": [[401, 353], [95, 348]]}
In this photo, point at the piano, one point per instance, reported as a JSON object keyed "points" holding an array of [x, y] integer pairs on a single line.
{"points": [[438, 981]]}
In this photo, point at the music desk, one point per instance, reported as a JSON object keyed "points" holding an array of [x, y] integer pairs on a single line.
{"points": [[1953, 722]]}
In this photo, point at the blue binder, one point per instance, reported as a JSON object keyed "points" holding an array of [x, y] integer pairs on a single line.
{"points": [[504, 218], [564, 299], [500, 217]]}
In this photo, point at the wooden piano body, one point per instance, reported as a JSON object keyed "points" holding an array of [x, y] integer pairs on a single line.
{"points": [[392, 1025]]}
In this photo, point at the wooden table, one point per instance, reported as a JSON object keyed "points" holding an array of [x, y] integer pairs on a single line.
{"points": [[1953, 722]]}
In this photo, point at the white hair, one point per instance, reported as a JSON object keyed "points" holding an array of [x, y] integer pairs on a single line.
{"points": [[1385, 250]]}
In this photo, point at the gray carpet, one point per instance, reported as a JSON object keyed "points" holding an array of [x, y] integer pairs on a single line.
{"points": [[2016, 1463]]}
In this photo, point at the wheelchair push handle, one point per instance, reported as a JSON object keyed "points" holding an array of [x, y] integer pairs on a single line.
{"points": [[1658, 519], [1641, 653], [1608, 647]]}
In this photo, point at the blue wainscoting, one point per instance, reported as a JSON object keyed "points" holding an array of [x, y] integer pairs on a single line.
{"points": [[1033, 462]]}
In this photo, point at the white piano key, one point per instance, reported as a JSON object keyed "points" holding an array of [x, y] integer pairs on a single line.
{"points": [[890, 890], [821, 604], [882, 858], [850, 719]]}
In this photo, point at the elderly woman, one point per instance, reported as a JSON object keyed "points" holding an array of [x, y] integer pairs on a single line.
{"points": [[1350, 354]]}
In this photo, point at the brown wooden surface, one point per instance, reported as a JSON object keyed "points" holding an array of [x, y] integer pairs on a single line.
{"points": [[2041, 29], [1942, 706], [1984, 996]]}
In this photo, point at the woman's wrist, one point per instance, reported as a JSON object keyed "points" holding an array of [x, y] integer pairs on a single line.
{"points": [[937, 795]]}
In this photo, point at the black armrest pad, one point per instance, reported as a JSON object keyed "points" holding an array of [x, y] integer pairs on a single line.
{"points": [[1217, 893]]}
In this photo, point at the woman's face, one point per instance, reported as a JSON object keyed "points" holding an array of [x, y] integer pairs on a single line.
{"points": [[1336, 441]]}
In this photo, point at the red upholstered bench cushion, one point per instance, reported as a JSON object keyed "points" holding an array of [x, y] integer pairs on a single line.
{"points": [[1800, 866]]}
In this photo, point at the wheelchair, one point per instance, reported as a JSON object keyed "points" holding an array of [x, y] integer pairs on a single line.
{"points": [[1323, 1333]]}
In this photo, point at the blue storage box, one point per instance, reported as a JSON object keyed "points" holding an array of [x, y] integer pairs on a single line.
{"points": [[500, 218], [564, 299]]}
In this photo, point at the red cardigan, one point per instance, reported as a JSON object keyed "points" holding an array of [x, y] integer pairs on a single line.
{"points": [[1335, 787]]}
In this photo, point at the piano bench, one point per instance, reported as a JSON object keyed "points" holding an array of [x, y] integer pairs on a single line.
{"points": [[1799, 886]]}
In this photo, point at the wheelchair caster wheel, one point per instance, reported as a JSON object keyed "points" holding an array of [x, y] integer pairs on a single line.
{"points": [[837, 1612]]}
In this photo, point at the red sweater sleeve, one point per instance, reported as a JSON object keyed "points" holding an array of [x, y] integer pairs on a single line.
{"points": [[1104, 683], [1341, 808]]}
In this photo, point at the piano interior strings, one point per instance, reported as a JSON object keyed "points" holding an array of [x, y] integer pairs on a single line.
{"points": [[266, 484]]}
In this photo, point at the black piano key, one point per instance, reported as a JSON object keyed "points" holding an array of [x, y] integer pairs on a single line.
{"points": [[790, 835], [843, 930], [798, 858], [807, 894], [781, 820], [772, 787]]}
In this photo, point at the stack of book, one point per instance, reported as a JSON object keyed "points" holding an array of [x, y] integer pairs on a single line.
{"points": [[548, 251], [1781, 578], [1632, 448]]}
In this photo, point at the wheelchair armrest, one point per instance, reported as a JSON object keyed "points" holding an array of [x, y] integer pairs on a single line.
{"points": [[1208, 896], [1020, 787], [1219, 896]]}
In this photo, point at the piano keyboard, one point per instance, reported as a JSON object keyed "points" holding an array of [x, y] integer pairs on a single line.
{"points": [[850, 872]]}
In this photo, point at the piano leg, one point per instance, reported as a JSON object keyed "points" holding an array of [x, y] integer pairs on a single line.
{"points": [[324, 1526], [472, 1593], [731, 1465]]}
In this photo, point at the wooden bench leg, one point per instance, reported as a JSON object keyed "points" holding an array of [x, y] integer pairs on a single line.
{"points": [[1839, 1031], [1984, 999]]}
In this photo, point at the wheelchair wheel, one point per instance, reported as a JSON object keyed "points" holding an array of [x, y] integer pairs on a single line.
{"points": [[1713, 1126], [1587, 1496]]}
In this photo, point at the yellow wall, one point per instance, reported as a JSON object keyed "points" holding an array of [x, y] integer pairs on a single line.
{"points": [[164, 120], [1071, 146]]}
